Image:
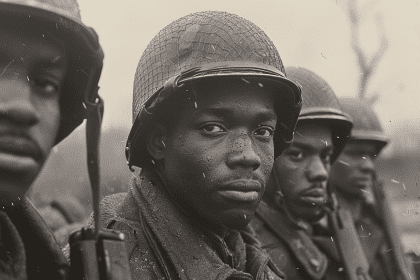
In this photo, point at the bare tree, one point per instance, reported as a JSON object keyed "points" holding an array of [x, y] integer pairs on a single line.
{"points": [[367, 66]]}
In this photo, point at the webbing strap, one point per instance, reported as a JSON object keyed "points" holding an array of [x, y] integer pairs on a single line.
{"points": [[93, 133]]}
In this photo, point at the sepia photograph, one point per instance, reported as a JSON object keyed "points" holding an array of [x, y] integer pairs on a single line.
{"points": [[210, 139]]}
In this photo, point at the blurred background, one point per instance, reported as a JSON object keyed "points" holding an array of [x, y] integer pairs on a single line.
{"points": [[369, 49]]}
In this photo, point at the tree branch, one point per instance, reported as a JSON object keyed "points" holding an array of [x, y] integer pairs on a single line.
{"points": [[367, 68]]}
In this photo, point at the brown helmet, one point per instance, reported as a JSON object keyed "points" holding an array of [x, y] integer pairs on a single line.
{"points": [[208, 45], [365, 121], [321, 104], [62, 19]]}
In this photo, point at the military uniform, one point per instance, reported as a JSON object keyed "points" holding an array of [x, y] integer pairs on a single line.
{"points": [[372, 239], [287, 240], [166, 240], [63, 216], [369, 225], [28, 249], [162, 242], [290, 245]]}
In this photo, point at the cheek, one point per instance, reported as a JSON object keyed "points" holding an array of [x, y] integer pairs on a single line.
{"points": [[345, 168], [52, 113], [265, 152], [49, 113], [289, 176], [267, 159], [192, 159]]}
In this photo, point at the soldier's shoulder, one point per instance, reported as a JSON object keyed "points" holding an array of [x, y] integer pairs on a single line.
{"points": [[109, 206]]}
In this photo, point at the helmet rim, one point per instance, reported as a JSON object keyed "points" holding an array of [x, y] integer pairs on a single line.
{"points": [[136, 152]]}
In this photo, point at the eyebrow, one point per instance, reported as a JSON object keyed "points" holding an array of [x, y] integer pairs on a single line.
{"points": [[48, 63], [43, 61], [226, 112]]}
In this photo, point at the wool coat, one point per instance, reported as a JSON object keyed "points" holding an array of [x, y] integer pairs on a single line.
{"points": [[164, 242]]}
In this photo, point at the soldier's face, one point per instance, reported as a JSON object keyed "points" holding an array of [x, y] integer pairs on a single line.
{"points": [[352, 174], [220, 154], [32, 69], [303, 169]]}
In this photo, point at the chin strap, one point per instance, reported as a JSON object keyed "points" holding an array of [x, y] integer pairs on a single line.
{"points": [[95, 112]]}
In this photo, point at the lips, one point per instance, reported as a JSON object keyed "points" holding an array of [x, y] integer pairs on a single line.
{"points": [[19, 146], [362, 182], [363, 179], [18, 153], [315, 196], [241, 190]]}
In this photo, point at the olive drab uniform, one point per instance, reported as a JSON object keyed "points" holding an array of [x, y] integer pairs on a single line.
{"points": [[289, 244], [63, 216], [370, 226], [288, 241], [156, 233], [164, 241], [24, 235]]}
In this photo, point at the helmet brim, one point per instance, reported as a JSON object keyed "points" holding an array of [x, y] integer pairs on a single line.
{"points": [[340, 124], [379, 139]]}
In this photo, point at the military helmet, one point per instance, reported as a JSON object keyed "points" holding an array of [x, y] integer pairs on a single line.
{"points": [[321, 104], [202, 46], [62, 19], [366, 122]]}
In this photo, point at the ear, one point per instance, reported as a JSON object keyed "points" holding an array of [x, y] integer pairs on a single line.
{"points": [[156, 145]]}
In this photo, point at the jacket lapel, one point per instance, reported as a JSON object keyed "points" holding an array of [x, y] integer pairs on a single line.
{"points": [[300, 244], [176, 242]]}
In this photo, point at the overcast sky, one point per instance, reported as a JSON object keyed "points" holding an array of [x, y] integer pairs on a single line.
{"points": [[311, 34]]}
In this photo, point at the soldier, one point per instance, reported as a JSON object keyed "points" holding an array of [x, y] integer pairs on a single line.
{"points": [[297, 194], [353, 177], [50, 64], [209, 92]]}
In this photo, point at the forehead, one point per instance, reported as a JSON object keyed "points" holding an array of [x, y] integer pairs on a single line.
{"points": [[313, 134], [29, 44]]}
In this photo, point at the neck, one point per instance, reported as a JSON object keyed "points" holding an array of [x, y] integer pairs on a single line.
{"points": [[353, 204], [190, 213]]}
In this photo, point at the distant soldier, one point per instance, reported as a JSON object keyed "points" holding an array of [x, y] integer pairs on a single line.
{"points": [[297, 193], [50, 63], [212, 108], [353, 177]]}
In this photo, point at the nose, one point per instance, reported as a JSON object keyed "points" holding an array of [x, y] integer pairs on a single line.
{"points": [[16, 105], [243, 155], [317, 170]]}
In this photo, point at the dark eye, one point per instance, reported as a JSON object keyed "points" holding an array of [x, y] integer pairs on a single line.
{"points": [[212, 128], [326, 157], [298, 155], [264, 131], [47, 86], [295, 155]]}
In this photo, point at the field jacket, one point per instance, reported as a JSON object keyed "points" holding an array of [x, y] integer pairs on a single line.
{"points": [[373, 240], [290, 246], [163, 243], [28, 249]]}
